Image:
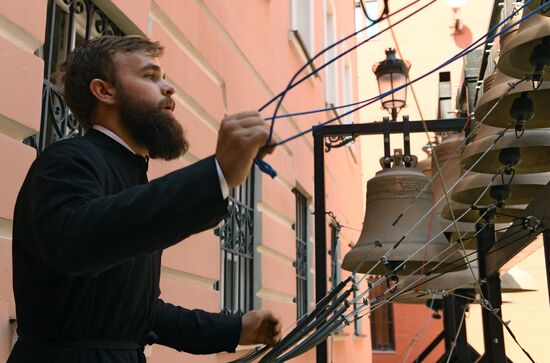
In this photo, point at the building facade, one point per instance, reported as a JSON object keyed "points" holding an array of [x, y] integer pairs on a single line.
{"points": [[222, 57]]}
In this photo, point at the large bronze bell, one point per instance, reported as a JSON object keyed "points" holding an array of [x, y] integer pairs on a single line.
{"points": [[528, 154], [448, 154], [523, 106], [425, 165], [528, 51], [388, 194], [507, 189]]}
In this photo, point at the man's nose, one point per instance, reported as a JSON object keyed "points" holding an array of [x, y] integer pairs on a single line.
{"points": [[167, 90]]}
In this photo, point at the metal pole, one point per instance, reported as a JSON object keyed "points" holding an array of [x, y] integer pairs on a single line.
{"points": [[320, 231], [454, 308], [546, 237], [430, 348], [493, 332]]}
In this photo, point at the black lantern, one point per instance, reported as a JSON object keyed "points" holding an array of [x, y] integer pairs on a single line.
{"points": [[392, 73]]}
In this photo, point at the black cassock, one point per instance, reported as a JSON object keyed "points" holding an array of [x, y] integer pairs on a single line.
{"points": [[88, 236]]}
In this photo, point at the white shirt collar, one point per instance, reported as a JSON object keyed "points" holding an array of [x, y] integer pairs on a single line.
{"points": [[113, 136]]}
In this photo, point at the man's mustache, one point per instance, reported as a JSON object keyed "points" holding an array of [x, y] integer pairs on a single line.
{"points": [[167, 103]]}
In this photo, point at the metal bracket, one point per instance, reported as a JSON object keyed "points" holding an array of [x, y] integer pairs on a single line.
{"points": [[338, 141]]}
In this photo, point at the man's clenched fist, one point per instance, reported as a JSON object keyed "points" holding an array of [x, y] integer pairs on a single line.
{"points": [[260, 327], [239, 139]]}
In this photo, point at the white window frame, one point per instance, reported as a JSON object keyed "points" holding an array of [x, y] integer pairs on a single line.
{"points": [[302, 27], [331, 71]]}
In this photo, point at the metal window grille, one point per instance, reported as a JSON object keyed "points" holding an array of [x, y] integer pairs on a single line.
{"points": [[382, 324], [237, 250], [301, 254], [69, 24]]}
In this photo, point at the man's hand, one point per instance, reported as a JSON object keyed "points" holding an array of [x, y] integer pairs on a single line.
{"points": [[240, 137], [260, 327]]}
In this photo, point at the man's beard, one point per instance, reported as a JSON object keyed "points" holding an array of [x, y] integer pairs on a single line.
{"points": [[152, 127]]}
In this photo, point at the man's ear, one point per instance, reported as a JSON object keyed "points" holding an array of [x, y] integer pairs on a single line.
{"points": [[104, 91]]}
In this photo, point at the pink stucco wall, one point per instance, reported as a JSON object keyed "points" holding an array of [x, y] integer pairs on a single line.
{"points": [[223, 57]]}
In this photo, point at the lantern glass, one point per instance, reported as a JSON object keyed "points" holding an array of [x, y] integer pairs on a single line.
{"points": [[392, 73], [389, 81]]}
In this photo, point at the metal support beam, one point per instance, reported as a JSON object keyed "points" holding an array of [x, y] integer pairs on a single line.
{"points": [[517, 236], [426, 352], [387, 148], [493, 332], [406, 142], [320, 232], [456, 342], [377, 128]]}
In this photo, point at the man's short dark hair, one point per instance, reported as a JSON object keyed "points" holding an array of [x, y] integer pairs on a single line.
{"points": [[94, 59]]}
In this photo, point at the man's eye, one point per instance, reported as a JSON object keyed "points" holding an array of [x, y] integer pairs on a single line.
{"points": [[150, 75]]}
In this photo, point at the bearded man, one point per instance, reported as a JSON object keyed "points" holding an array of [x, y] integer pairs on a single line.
{"points": [[89, 228]]}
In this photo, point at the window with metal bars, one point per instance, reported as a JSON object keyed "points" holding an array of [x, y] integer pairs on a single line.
{"points": [[237, 250], [301, 254], [381, 322], [69, 24]]}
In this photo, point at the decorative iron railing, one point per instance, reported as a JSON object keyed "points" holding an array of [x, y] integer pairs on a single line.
{"points": [[237, 250], [69, 23]]}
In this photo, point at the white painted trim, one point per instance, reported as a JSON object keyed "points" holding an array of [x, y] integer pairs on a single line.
{"points": [[18, 36]]}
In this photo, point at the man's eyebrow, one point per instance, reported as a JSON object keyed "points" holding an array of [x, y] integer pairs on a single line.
{"points": [[150, 66]]}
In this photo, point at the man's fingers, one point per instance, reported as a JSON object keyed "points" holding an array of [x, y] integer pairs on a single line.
{"points": [[246, 122], [244, 114], [276, 328]]}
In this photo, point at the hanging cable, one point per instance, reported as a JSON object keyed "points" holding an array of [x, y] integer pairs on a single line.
{"points": [[263, 165], [266, 168], [366, 102]]}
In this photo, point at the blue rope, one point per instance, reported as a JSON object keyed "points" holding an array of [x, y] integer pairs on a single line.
{"points": [[262, 165], [268, 169]]}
